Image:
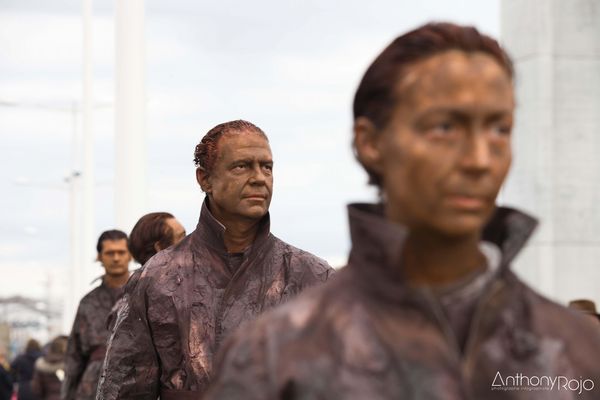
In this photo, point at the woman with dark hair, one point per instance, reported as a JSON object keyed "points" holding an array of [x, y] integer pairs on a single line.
{"points": [[151, 233], [49, 371], [22, 369], [154, 232]]}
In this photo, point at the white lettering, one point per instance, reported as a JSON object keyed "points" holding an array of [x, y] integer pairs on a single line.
{"points": [[495, 384], [590, 381], [576, 388], [537, 379], [519, 381], [551, 381], [561, 379], [510, 379]]}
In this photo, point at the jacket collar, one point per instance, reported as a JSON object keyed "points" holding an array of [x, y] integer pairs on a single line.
{"points": [[377, 243], [211, 232]]}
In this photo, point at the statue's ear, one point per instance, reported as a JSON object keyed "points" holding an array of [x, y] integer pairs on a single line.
{"points": [[203, 179], [367, 145]]}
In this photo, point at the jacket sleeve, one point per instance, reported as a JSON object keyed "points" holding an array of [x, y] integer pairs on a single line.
{"points": [[75, 359], [131, 369]]}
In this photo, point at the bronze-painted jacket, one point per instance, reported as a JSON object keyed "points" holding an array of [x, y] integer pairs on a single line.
{"points": [[187, 299], [367, 335], [87, 343]]}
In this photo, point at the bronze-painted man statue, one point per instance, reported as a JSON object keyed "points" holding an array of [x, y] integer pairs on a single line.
{"points": [[229, 270]]}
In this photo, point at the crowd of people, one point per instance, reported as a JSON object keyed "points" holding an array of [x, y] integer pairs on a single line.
{"points": [[35, 374], [427, 307]]}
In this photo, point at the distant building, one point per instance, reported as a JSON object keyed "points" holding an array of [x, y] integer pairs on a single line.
{"points": [[23, 318]]}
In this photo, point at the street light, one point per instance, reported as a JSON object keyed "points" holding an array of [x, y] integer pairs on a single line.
{"points": [[77, 224]]}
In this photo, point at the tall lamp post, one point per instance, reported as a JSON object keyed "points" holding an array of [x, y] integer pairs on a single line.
{"points": [[77, 261], [130, 114], [88, 212]]}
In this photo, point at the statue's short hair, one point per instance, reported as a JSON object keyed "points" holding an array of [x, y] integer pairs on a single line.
{"points": [[150, 229], [206, 151]]}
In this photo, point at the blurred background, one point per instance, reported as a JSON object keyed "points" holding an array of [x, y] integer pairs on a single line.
{"points": [[289, 67]]}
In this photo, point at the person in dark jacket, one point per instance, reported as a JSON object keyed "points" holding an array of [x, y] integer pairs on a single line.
{"points": [[87, 341], [22, 369], [6, 382], [49, 371], [190, 296], [427, 307]]}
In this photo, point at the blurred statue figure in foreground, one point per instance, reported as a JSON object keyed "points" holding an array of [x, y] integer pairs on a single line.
{"points": [[428, 307]]}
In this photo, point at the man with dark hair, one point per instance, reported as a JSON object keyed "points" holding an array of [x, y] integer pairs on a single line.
{"points": [[189, 297], [87, 343], [427, 307]]}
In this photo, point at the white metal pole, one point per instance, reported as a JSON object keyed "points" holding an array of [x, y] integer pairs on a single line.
{"points": [[130, 113], [88, 210], [70, 301]]}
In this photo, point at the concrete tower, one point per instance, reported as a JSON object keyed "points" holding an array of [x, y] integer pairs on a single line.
{"points": [[555, 45]]}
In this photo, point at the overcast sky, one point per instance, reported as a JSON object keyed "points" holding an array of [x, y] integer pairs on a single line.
{"points": [[291, 67]]}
